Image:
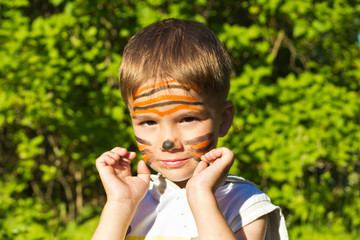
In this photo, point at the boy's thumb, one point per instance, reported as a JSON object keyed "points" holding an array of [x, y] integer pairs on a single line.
{"points": [[143, 171]]}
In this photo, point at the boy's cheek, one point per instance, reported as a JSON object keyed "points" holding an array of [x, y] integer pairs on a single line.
{"points": [[145, 146], [145, 152], [200, 144]]}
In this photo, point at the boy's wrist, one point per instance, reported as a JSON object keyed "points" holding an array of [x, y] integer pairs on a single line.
{"points": [[115, 219], [199, 195], [125, 207], [125, 202]]}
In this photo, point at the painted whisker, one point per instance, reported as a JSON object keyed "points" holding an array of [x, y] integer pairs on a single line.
{"points": [[142, 141], [199, 139], [144, 147], [200, 145]]}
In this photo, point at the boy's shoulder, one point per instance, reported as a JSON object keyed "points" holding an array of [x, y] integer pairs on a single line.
{"points": [[238, 180], [240, 192]]}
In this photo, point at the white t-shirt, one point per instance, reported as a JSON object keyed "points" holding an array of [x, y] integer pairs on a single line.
{"points": [[164, 213]]}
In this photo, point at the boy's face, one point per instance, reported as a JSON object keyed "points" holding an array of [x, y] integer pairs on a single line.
{"points": [[175, 125]]}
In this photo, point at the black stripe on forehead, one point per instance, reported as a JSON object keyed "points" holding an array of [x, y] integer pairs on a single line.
{"points": [[142, 141], [160, 89], [199, 139], [162, 104]]}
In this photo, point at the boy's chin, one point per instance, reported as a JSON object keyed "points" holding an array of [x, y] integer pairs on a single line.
{"points": [[181, 184], [178, 180]]}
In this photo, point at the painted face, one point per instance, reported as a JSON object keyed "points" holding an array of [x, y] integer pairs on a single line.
{"points": [[174, 126]]}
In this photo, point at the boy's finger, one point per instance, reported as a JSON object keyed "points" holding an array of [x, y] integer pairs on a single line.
{"points": [[131, 155], [114, 155], [123, 152], [104, 160], [211, 156], [216, 153], [119, 150], [200, 167], [127, 158], [108, 159], [219, 153]]}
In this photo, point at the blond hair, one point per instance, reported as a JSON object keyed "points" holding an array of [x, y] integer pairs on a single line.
{"points": [[184, 50]]}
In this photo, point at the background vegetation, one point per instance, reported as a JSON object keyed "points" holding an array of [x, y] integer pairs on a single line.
{"points": [[295, 84]]}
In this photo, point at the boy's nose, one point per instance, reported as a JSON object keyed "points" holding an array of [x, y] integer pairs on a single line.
{"points": [[170, 139], [172, 145], [168, 145]]}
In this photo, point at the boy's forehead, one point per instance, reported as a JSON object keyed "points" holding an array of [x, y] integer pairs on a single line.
{"points": [[165, 97], [168, 97], [169, 87]]}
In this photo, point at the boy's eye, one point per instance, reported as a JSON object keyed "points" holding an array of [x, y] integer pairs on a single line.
{"points": [[148, 123], [189, 119]]}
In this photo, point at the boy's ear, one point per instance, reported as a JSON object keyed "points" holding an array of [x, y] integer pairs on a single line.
{"points": [[227, 117]]}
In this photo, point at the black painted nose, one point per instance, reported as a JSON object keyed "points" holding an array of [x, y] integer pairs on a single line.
{"points": [[167, 145]]}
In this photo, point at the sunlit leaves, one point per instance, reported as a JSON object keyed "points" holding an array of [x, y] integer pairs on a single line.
{"points": [[295, 86]]}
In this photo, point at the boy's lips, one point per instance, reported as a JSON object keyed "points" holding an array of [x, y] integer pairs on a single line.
{"points": [[174, 162]]}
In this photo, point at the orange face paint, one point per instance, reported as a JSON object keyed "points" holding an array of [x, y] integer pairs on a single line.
{"points": [[146, 158], [152, 86], [156, 99], [200, 145], [170, 111], [144, 147], [162, 98], [151, 104]]}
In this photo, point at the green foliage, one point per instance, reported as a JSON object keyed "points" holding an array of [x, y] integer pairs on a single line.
{"points": [[325, 232], [295, 85]]}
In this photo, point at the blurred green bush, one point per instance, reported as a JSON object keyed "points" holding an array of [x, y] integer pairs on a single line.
{"points": [[295, 84]]}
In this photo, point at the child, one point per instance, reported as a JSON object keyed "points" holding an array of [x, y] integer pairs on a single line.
{"points": [[174, 78]]}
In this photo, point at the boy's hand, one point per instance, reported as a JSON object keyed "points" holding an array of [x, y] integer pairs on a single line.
{"points": [[115, 173], [212, 171], [200, 189]]}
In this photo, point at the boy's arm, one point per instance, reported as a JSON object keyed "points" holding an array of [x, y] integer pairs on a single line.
{"points": [[114, 220], [124, 192], [254, 230], [210, 222]]}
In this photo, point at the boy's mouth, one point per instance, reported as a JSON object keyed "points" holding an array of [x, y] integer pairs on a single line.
{"points": [[173, 163]]}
